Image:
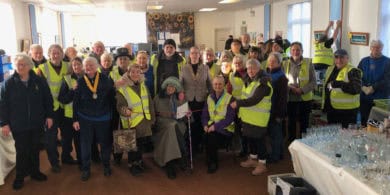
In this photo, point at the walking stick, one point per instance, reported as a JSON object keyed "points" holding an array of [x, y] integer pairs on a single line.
{"points": [[189, 137]]}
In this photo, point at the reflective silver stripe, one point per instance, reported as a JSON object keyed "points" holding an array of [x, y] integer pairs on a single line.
{"points": [[145, 96], [255, 109], [346, 100], [127, 96], [337, 90]]}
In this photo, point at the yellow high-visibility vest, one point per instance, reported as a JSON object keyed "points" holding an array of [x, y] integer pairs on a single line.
{"points": [[237, 85], [258, 114], [322, 54], [304, 76], [139, 106], [54, 80], [68, 108], [339, 99], [218, 111]]}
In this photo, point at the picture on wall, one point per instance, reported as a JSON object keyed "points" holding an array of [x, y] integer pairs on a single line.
{"points": [[359, 38], [181, 24]]}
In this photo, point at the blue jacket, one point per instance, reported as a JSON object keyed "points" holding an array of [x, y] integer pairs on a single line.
{"points": [[376, 73]]}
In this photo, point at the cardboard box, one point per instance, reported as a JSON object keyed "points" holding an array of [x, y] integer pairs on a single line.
{"points": [[272, 181]]}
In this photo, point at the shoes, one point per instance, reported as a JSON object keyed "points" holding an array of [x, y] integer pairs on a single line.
{"points": [[260, 168], [85, 175], [18, 184], [135, 169], [249, 163], [107, 171], [70, 161], [56, 169], [170, 171], [39, 177], [212, 168]]}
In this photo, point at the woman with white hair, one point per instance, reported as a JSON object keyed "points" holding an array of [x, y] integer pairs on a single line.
{"points": [[254, 111], [93, 99], [26, 106]]}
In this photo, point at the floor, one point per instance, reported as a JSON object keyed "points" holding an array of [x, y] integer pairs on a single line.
{"points": [[229, 179]]}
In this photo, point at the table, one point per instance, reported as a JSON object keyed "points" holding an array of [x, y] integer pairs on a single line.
{"points": [[318, 170], [7, 156], [378, 114]]}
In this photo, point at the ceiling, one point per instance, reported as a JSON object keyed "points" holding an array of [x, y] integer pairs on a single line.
{"points": [[140, 5]]}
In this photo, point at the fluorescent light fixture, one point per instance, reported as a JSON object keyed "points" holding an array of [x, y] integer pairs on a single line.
{"points": [[207, 9], [228, 1], [80, 1], [154, 7]]}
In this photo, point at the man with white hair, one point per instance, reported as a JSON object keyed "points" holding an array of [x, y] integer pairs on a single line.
{"points": [[376, 78], [36, 53], [245, 40]]}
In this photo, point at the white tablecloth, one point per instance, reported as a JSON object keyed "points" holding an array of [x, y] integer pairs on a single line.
{"points": [[7, 156], [326, 178]]}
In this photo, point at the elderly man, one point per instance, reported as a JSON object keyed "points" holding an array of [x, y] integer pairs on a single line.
{"points": [[36, 53], [70, 53], [245, 40], [129, 48], [97, 50], [166, 63], [342, 89], [376, 78], [92, 103]]}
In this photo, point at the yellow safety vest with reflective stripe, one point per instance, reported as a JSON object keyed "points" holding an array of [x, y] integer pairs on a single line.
{"points": [[218, 112], [339, 99], [154, 63], [114, 74], [237, 85], [303, 76], [68, 108], [258, 114], [322, 54], [139, 106], [54, 80]]}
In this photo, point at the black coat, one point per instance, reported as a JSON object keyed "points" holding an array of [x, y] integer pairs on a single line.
{"points": [[25, 108]]}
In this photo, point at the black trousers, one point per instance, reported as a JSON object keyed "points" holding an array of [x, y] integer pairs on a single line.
{"points": [[196, 125], [365, 109], [27, 152], [257, 147], [298, 111], [214, 141], [69, 135], [343, 117], [51, 137]]}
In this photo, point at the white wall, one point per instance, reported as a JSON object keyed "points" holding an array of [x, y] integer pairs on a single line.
{"points": [[359, 16], [22, 22]]}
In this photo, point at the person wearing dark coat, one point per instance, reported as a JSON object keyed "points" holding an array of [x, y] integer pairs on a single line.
{"points": [[26, 106], [254, 110], [92, 106], [278, 107]]}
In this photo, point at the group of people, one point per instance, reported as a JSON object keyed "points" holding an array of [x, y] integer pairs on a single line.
{"points": [[245, 93]]}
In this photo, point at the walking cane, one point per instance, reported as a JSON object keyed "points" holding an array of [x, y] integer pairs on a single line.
{"points": [[189, 137]]}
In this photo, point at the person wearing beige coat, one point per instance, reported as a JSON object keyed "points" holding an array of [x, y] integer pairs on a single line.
{"points": [[195, 78]]}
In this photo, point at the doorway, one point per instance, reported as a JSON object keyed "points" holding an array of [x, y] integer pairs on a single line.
{"points": [[221, 34]]}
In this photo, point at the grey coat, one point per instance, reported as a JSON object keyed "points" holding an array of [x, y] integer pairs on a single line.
{"points": [[168, 138], [196, 86]]}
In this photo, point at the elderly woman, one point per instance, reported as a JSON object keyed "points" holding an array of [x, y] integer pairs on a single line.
{"points": [[210, 61], [66, 95], [279, 105], [196, 82], [226, 55], [106, 64], [217, 121], [254, 110], [92, 103], [26, 106], [70, 53], [169, 141], [147, 70], [122, 60], [301, 83], [136, 110], [54, 71]]}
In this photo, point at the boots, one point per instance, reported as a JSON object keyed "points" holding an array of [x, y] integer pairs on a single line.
{"points": [[260, 168]]}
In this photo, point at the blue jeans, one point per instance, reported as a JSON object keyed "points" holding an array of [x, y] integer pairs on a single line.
{"points": [[275, 130], [89, 129]]}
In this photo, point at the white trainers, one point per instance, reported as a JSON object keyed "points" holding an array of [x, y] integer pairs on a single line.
{"points": [[260, 168], [249, 163]]}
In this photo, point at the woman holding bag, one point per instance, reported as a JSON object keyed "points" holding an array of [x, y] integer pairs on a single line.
{"points": [[134, 106]]}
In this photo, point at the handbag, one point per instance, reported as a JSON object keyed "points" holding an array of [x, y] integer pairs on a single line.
{"points": [[125, 140]]}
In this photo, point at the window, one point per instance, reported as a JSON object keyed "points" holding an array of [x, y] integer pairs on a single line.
{"points": [[385, 26], [8, 34], [299, 25]]}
